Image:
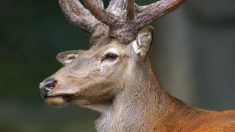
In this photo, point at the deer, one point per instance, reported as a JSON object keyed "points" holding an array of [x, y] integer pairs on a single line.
{"points": [[115, 77]]}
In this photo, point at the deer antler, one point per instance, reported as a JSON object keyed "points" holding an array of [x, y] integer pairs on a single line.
{"points": [[81, 17], [123, 17], [100, 13], [130, 10], [150, 13]]}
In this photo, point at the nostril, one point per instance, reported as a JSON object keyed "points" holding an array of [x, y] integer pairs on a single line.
{"points": [[50, 84], [46, 86]]}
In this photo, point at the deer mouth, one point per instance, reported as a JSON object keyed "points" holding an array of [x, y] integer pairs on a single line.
{"points": [[58, 100], [63, 99]]}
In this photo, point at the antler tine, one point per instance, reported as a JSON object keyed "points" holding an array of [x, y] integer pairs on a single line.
{"points": [[121, 20], [116, 7], [100, 13], [150, 13], [130, 9], [81, 17]]}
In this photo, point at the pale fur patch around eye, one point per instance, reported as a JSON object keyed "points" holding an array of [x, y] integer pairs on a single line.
{"points": [[106, 65], [111, 50]]}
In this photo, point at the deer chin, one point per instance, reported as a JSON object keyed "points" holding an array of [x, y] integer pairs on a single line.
{"points": [[62, 99], [56, 101]]}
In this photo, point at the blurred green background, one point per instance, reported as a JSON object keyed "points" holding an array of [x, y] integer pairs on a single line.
{"points": [[193, 54]]}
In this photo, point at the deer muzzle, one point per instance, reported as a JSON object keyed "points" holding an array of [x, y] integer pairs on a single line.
{"points": [[46, 86]]}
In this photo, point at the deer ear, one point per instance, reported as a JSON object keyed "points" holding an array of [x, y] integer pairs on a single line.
{"points": [[143, 42], [68, 56]]}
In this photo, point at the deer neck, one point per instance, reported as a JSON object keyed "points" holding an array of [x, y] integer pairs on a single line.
{"points": [[140, 104]]}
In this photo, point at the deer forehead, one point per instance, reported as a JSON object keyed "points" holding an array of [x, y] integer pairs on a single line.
{"points": [[114, 47]]}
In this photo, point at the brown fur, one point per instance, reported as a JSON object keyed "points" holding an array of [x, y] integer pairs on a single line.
{"points": [[144, 106], [125, 89]]}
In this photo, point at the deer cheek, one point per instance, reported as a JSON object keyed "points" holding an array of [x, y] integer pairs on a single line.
{"points": [[104, 67]]}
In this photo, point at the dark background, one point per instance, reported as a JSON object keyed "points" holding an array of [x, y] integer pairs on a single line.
{"points": [[193, 54]]}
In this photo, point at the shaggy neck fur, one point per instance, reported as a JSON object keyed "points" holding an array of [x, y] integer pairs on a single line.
{"points": [[141, 103]]}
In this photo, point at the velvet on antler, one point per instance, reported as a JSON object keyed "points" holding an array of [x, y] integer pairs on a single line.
{"points": [[122, 19]]}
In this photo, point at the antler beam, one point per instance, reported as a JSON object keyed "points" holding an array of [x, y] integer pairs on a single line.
{"points": [[151, 12], [121, 20], [100, 13], [81, 17]]}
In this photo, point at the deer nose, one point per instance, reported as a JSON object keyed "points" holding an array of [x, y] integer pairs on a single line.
{"points": [[46, 86]]}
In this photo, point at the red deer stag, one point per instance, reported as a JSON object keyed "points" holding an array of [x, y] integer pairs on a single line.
{"points": [[115, 78]]}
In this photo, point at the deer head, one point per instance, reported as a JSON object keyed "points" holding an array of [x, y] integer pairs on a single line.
{"points": [[120, 38]]}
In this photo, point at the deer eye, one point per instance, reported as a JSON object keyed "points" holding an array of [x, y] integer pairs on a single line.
{"points": [[110, 56]]}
